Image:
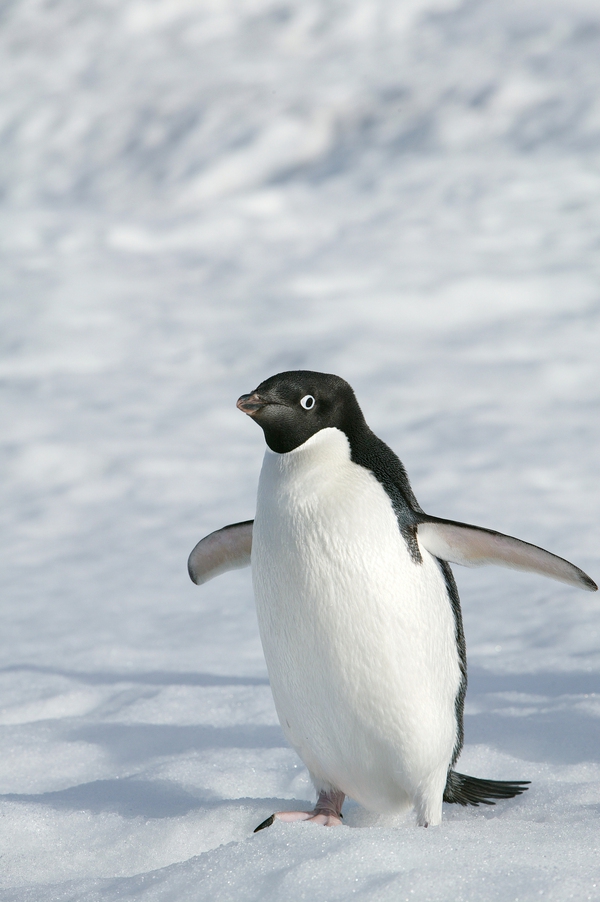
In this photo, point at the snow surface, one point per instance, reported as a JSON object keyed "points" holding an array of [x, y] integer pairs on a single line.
{"points": [[196, 195]]}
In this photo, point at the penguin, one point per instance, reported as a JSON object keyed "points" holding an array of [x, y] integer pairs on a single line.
{"points": [[358, 610]]}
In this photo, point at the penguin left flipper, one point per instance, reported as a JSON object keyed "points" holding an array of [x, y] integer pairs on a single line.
{"points": [[226, 549], [474, 546]]}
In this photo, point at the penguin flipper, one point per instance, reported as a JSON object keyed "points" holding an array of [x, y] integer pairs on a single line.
{"points": [[465, 790], [474, 546], [226, 549]]}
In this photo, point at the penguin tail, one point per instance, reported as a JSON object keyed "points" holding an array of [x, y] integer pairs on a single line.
{"points": [[465, 790]]}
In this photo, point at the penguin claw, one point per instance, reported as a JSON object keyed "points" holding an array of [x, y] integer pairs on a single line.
{"points": [[265, 823], [315, 817]]}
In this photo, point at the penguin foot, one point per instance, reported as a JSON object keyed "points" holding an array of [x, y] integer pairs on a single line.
{"points": [[289, 817], [327, 812]]}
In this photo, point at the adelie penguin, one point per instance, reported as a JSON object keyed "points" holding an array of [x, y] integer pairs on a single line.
{"points": [[358, 610]]}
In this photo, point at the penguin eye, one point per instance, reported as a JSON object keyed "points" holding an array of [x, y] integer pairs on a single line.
{"points": [[308, 402]]}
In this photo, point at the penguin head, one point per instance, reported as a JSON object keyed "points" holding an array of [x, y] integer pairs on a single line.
{"points": [[291, 407]]}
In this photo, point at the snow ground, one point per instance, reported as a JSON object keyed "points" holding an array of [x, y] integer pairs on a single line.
{"points": [[197, 195]]}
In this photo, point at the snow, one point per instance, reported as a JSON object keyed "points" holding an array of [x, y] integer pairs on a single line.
{"points": [[197, 195]]}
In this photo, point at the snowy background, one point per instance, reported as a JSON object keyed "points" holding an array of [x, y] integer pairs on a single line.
{"points": [[197, 194]]}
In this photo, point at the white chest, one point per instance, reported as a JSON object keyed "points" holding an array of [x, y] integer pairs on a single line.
{"points": [[358, 638]]}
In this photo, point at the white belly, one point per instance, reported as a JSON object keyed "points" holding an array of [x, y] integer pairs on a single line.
{"points": [[359, 639]]}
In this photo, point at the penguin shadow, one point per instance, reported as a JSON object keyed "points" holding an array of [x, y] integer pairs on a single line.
{"points": [[535, 716]]}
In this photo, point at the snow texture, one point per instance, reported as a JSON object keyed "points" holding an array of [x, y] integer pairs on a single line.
{"points": [[197, 194]]}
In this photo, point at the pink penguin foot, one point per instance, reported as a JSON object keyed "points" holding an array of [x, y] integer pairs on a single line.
{"points": [[315, 817], [327, 812]]}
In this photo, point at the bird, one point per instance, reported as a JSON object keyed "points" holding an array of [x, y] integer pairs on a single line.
{"points": [[358, 610]]}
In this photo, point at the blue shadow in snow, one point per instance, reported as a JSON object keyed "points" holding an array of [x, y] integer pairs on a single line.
{"points": [[563, 735], [128, 798], [128, 743], [150, 678]]}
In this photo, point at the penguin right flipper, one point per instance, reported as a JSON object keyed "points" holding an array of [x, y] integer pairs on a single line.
{"points": [[473, 546], [226, 549]]}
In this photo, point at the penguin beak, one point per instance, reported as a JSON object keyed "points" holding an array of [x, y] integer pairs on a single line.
{"points": [[251, 404]]}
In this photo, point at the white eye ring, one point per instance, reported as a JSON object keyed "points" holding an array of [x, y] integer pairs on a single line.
{"points": [[308, 402]]}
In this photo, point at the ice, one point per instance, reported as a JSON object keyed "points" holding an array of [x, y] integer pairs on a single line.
{"points": [[197, 195]]}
